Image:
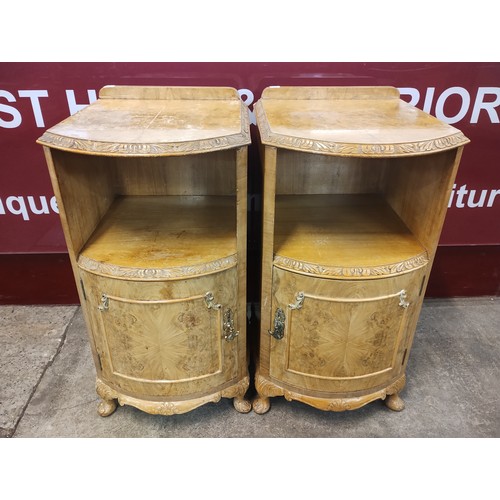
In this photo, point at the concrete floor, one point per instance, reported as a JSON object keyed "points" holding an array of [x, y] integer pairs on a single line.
{"points": [[453, 389]]}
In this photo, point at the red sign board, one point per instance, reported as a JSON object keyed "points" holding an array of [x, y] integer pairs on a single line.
{"points": [[36, 96]]}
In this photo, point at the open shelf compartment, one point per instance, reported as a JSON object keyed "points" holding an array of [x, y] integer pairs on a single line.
{"points": [[153, 236], [344, 236]]}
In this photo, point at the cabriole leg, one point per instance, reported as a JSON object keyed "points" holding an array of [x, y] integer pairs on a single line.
{"points": [[108, 403], [237, 392]]}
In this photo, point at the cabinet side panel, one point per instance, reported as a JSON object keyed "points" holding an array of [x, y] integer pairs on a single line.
{"points": [[418, 189], [306, 173], [86, 191], [201, 174], [83, 195], [241, 243], [268, 208]]}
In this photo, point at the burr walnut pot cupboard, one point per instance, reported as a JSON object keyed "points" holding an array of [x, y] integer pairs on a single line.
{"points": [[356, 185], [151, 188]]}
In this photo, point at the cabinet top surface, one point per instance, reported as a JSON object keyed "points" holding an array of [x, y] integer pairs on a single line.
{"points": [[154, 121], [350, 121]]}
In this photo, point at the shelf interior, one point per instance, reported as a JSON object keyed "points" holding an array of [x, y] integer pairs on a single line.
{"points": [[342, 230], [161, 232]]}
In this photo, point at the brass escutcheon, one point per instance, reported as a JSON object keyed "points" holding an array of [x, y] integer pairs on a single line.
{"points": [[228, 326], [279, 325]]}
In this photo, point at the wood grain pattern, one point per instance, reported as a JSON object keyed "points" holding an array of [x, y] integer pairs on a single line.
{"points": [[241, 405], [352, 219], [297, 173], [202, 174], [154, 126], [352, 236], [268, 224], [159, 237], [151, 187], [351, 93], [67, 193], [82, 184], [411, 188], [362, 121], [170, 341], [174, 93], [159, 338], [431, 189], [346, 336]]}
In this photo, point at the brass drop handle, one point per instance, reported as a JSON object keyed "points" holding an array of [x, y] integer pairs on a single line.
{"points": [[299, 301], [279, 325], [228, 326], [210, 301], [402, 299], [104, 306]]}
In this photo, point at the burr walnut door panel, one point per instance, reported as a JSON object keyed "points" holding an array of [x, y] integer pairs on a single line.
{"points": [[165, 338], [341, 336]]}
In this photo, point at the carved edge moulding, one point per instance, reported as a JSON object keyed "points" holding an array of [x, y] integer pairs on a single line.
{"points": [[267, 389], [139, 274], [110, 399], [310, 269], [300, 267], [346, 149], [140, 149]]}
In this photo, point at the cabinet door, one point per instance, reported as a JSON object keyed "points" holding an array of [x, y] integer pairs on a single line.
{"points": [[160, 339], [341, 336]]}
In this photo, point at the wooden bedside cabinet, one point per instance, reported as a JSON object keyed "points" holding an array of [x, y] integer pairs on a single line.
{"points": [[151, 188], [356, 186]]}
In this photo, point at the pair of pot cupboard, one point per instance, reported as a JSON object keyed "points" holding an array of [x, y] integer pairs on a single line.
{"points": [[151, 184]]}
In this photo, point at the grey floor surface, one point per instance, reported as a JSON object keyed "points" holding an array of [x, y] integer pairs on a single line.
{"points": [[453, 389]]}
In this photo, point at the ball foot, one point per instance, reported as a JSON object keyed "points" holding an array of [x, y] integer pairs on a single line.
{"points": [[106, 407], [395, 403], [261, 405], [242, 405]]}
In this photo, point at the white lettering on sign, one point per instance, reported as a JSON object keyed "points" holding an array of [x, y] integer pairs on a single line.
{"points": [[44, 209], [463, 109], [53, 204], [489, 106], [10, 110], [463, 197], [429, 96], [34, 96], [486, 101], [16, 205], [73, 106]]}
